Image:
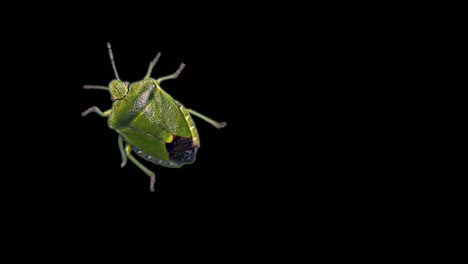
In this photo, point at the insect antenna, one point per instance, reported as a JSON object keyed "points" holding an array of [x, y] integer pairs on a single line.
{"points": [[112, 61], [99, 87]]}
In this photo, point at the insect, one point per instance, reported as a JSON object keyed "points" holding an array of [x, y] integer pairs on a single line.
{"points": [[150, 122]]}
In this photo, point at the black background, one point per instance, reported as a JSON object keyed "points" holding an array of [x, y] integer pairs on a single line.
{"points": [[278, 161], [63, 169], [288, 166]]}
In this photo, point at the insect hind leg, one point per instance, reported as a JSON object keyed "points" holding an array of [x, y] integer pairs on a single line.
{"points": [[122, 151], [128, 150], [207, 119]]}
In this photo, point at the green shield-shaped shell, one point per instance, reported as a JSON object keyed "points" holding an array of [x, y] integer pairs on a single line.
{"points": [[158, 127]]}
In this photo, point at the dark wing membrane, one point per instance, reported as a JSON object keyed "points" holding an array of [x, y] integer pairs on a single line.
{"points": [[181, 150]]}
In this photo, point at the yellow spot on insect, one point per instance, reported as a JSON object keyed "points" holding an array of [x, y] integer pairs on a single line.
{"points": [[169, 138]]}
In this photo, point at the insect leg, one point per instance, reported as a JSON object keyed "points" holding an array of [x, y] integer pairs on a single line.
{"points": [[122, 151], [97, 111], [207, 119], [172, 76], [128, 150], [152, 63]]}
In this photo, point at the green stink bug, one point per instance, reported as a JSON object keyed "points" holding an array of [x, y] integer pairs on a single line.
{"points": [[150, 122]]}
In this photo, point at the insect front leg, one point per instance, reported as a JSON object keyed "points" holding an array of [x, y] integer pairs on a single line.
{"points": [[128, 150], [96, 110], [207, 119], [172, 76]]}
